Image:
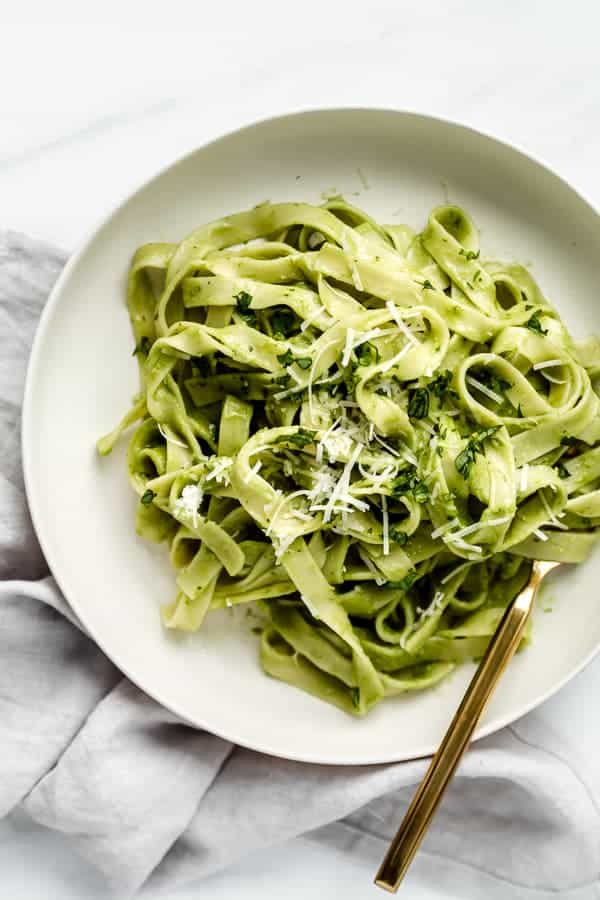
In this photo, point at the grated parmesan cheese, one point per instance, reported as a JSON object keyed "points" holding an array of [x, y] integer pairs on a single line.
{"points": [[547, 364], [443, 529], [403, 327], [386, 525], [189, 501], [483, 389]]}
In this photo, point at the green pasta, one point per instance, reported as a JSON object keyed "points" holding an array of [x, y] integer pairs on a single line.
{"points": [[365, 432]]}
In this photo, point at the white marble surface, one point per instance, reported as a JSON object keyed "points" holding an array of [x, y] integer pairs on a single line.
{"points": [[94, 100]]}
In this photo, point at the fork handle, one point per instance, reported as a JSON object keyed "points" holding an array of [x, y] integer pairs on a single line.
{"points": [[500, 650]]}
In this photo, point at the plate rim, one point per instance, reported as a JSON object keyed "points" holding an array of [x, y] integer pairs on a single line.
{"points": [[27, 423]]}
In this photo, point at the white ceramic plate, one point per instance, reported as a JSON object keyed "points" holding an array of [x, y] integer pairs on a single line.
{"points": [[82, 375]]}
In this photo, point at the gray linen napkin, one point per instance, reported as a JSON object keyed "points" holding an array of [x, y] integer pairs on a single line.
{"points": [[151, 801]]}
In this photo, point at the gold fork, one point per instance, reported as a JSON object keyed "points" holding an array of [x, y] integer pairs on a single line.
{"points": [[500, 650]]}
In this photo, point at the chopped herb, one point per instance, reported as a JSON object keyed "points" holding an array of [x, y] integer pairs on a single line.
{"points": [[305, 362], [405, 583], [398, 536], [300, 438], [418, 403], [243, 301], [421, 492], [468, 254], [147, 497], [283, 322], [469, 285], [466, 457], [493, 381], [143, 347], [367, 354], [534, 324], [283, 380], [408, 482], [440, 385], [427, 285], [286, 359]]}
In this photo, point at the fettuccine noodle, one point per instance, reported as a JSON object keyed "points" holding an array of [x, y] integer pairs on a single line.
{"points": [[365, 432]]}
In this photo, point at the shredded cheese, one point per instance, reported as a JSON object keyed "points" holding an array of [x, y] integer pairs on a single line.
{"points": [[547, 364], [402, 326], [386, 525], [189, 501], [469, 529], [448, 526], [483, 389]]}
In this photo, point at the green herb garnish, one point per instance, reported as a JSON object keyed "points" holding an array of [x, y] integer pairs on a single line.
{"points": [[466, 457], [300, 438], [242, 302], [408, 482], [468, 254], [427, 285], [418, 403], [286, 359], [367, 354], [406, 583], [283, 322], [147, 497], [493, 381], [398, 536], [534, 324], [440, 385], [304, 362], [143, 347]]}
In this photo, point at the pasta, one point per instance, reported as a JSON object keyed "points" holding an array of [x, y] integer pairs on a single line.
{"points": [[364, 432]]}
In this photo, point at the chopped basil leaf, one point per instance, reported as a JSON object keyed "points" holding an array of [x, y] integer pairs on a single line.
{"points": [[305, 362], [534, 324], [300, 438], [466, 457], [147, 497], [243, 301], [405, 583], [493, 381], [286, 359], [283, 321], [418, 403], [408, 482], [367, 354], [398, 536], [440, 385], [143, 347]]}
